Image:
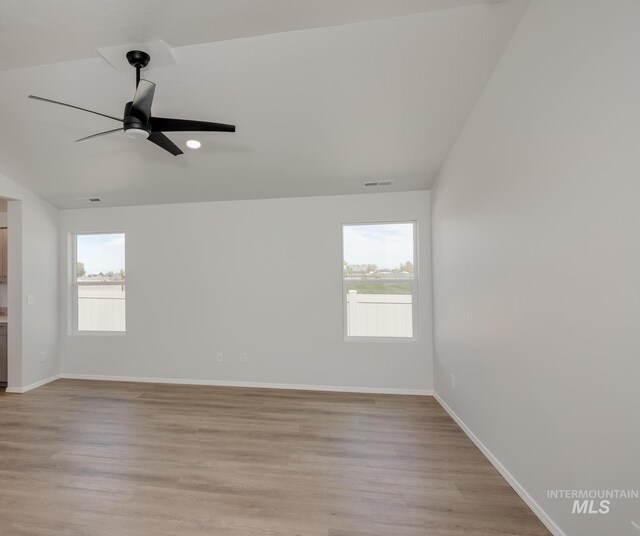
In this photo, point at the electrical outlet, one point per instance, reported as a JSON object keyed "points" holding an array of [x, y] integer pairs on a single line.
{"points": [[31, 299], [219, 357], [243, 357], [453, 381]]}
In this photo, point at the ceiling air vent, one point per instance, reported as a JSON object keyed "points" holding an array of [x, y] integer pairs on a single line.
{"points": [[377, 183]]}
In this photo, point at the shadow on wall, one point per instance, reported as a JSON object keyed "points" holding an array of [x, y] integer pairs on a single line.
{"points": [[4, 294]]}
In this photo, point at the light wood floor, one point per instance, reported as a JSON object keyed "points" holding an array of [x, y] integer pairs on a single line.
{"points": [[121, 459]]}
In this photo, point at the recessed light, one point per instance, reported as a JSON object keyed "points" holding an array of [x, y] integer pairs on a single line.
{"points": [[194, 144]]}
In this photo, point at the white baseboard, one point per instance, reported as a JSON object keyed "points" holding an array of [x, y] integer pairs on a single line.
{"points": [[517, 487], [257, 385], [20, 390]]}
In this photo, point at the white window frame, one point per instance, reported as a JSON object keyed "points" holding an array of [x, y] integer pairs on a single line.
{"points": [[73, 316], [414, 287]]}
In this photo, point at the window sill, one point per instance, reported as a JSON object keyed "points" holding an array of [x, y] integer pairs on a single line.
{"points": [[98, 333], [400, 340]]}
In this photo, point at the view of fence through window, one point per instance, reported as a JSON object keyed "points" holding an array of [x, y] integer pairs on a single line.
{"points": [[100, 282], [379, 279]]}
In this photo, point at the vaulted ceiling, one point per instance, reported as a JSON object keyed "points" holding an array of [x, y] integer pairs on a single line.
{"points": [[326, 94]]}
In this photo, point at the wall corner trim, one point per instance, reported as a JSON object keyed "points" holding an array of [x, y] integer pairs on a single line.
{"points": [[30, 387], [517, 487], [257, 385]]}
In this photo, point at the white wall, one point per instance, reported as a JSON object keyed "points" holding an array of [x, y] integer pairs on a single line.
{"points": [[3, 223], [33, 270], [537, 260], [261, 277], [40, 264]]}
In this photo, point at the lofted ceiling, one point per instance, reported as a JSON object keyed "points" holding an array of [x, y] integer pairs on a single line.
{"points": [[363, 90], [36, 32]]}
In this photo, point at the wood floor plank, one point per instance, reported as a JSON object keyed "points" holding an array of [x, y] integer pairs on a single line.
{"points": [[101, 458]]}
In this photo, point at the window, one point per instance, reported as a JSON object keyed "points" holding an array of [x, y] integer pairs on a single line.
{"points": [[379, 280], [99, 283]]}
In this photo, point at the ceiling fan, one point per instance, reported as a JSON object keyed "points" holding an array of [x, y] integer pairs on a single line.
{"points": [[138, 121]]}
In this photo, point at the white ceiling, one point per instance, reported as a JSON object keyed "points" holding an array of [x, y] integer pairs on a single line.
{"points": [[36, 32], [318, 111]]}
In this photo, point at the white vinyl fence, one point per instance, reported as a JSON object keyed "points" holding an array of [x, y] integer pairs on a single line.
{"points": [[101, 308], [379, 315]]}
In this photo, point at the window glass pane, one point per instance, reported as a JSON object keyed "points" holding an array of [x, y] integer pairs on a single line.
{"points": [[379, 280], [101, 280], [101, 308], [100, 257], [383, 251]]}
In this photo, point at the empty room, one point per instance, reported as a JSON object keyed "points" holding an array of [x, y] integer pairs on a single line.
{"points": [[320, 268]]}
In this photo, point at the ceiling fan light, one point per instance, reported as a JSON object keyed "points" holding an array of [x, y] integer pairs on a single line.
{"points": [[193, 144], [137, 133]]}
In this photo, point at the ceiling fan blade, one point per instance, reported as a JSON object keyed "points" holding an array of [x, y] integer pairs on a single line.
{"points": [[86, 138], [164, 124], [162, 141], [142, 100], [76, 107]]}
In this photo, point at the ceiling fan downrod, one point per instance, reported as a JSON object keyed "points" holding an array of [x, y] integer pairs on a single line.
{"points": [[139, 60]]}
